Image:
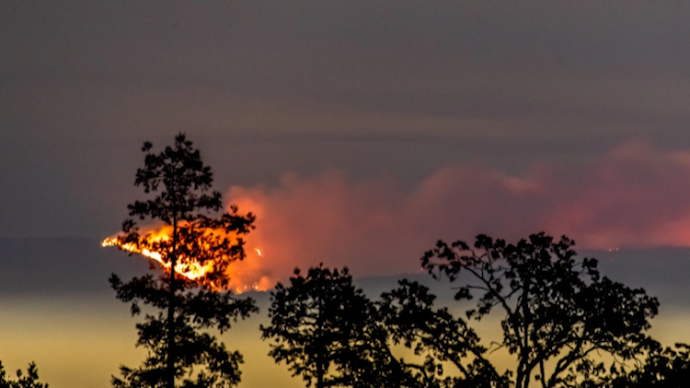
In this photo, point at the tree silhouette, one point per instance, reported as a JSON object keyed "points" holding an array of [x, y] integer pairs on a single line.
{"points": [[434, 334], [566, 325], [662, 368], [180, 185], [321, 326], [331, 334], [28, 380], [555, 309]]}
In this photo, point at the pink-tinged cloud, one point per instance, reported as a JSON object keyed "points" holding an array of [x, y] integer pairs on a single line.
{"points": [[632, 196]]}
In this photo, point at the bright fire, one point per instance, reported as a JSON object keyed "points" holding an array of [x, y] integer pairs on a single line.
{"points": [[243, 275]]}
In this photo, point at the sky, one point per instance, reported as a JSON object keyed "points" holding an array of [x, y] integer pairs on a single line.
{"points": [[366, 88], [359, 132]]}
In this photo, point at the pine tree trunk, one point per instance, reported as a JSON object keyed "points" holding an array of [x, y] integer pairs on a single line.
{"points": [[320, 348], [320, 373], [171, 312]]}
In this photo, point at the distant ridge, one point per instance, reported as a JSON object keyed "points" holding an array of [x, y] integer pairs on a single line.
{"points": [[70, 265], [79, 265]]}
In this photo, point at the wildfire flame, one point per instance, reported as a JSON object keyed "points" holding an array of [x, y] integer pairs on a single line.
{"points": [[241, 278], [192, 271]]}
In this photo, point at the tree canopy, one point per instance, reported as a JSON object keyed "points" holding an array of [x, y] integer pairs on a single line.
{"points": [[202, 241], [28, 380], [564, 324], [556, 309], [319, 327]]}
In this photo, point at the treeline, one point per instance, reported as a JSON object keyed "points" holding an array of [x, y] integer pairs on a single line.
{"points": [[564, 324]]}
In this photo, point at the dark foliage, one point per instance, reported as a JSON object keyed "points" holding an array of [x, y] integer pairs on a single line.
{"points": [[331, 334], [555, 309], [320, 327], [435, 334], [175, 337], [28, 380], [662, 368], [565, 324]]}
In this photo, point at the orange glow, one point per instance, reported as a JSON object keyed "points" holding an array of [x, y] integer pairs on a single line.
{"points": [[192, 271], [242, 275]]}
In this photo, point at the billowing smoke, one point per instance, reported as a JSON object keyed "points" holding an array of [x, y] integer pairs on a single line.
{"points": [[632, 196]]}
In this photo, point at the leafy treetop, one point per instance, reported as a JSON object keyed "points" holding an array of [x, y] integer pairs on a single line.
{"points": [[555, 308]]}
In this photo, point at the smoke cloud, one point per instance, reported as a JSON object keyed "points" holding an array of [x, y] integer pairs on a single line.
{"points": [[631, 196]]}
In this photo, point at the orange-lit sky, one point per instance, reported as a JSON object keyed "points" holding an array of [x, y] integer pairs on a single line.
{"points": [[359, 132]]}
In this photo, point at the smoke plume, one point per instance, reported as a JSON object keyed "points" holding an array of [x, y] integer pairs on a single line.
{"points": [[632, 196]]}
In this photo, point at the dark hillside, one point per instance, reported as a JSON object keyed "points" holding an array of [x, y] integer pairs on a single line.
{"points": [[61, 265]]}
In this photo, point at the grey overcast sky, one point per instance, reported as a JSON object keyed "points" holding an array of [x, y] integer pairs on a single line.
{"points": [[367, 88]]}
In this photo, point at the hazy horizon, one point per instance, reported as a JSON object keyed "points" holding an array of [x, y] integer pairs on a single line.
{"points": [[72, 326]]}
